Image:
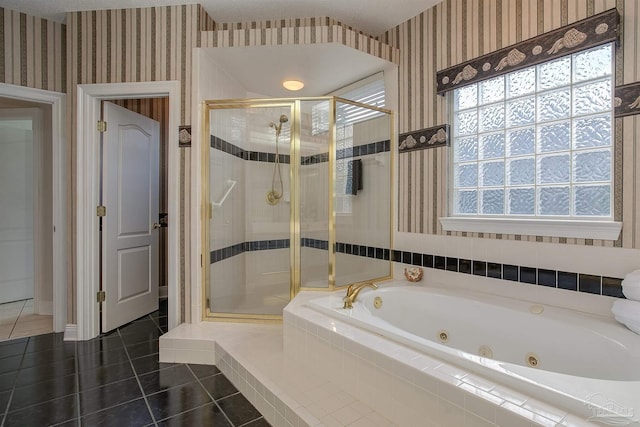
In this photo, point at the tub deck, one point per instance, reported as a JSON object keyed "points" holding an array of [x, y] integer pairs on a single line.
{"points": [[253, 359]]}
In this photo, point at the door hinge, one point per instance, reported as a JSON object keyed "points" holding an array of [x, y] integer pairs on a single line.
{"points": [[102, 126], [101, 296], [101, 211]]}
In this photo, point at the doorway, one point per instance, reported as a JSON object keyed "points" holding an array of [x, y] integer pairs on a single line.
{"points": [[88, 164], [26, 234], [32, 212]]}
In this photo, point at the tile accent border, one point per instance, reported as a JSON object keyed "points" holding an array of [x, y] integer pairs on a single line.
{"points": [[580, 282], [239, 248], [627, 100], [598, 285], [593, 31], [257, 156], [433, 137], [346, 153], [349, 249]]}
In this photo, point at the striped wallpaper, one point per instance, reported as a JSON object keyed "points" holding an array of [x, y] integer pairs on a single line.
{"points": [[458, 30], [32, 51], [297, 31], [131, 45]]}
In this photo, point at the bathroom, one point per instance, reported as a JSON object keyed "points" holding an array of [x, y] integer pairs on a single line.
{"points": [[581, 273], [571, 269]]}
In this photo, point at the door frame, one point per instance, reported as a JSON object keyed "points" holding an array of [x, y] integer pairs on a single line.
{"points": [[87, 196], [57, 101]]}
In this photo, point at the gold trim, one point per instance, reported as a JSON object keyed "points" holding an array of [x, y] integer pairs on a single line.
{"points": [[294, 105], [205, 262], [332, 194], [393, 147], [213, 316], [294, 190]]}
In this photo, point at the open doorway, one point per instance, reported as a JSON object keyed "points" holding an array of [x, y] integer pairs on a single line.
{"points": [[26, 232], [90, 98], [32, 206], [133, 191]]}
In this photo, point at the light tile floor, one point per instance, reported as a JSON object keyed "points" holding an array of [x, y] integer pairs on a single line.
{"points": [[17, 319]]}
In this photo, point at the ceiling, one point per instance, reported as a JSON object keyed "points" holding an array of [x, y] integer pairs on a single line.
{"points": [[323, 68], [370, 16]]}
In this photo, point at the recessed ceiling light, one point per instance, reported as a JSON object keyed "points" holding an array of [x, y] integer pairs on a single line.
{"points": [[292, 84]]}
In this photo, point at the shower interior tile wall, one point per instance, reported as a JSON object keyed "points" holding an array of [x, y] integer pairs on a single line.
{"points": [[227, 278]]}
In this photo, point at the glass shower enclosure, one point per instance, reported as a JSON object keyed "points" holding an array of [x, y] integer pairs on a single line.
{"points": [[297, 196]]}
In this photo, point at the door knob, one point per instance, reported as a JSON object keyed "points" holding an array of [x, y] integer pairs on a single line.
{"points": [[156, 225]]}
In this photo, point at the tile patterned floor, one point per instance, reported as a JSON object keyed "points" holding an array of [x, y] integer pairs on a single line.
{"points": [[114, 380], [17, 319]]}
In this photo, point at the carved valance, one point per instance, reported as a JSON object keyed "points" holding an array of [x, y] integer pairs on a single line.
{"points": [[593, 31]]}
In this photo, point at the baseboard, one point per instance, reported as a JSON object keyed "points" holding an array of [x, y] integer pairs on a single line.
{"points": [[45, 308], [163, 291], [71, 332]]}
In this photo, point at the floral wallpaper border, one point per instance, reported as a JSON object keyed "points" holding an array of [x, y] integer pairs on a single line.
{"points": [[593, 31]]}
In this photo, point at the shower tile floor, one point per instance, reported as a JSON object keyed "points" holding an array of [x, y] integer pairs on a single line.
{"points": [[17, 319], [114, 380]]}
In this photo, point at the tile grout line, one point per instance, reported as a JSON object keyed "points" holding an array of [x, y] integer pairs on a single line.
{"points": [[15, 381], [135, 374], [157, 325], [13, 328], [209, 394], [77, 368]]}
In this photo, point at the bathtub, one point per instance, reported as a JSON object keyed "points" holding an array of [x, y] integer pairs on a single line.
{"points": [[586, 365]]}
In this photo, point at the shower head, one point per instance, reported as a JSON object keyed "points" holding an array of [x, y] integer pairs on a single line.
{"points": [[283, 119]]}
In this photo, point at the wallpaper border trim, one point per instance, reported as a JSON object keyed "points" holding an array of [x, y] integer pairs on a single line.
{"points": [[433, 137], [627, 100], [590, 32]]}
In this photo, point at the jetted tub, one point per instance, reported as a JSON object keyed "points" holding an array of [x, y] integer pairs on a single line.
{"points": [[587, 365]]}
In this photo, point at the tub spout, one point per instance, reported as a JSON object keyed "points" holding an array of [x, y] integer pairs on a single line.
{"points": [[352, 293]]}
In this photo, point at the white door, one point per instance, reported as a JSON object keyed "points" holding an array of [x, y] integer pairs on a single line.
{"points": [[129, 233], [16, 205]]}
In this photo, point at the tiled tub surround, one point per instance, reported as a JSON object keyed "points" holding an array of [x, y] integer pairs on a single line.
{"points": [[589, 283], [426, 391], [581, 282]]}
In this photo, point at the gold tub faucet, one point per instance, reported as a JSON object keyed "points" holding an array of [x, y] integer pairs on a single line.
{"points": [[352, 293]]}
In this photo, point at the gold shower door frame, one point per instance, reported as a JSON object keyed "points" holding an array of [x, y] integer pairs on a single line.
{"points": [[294, 217]]}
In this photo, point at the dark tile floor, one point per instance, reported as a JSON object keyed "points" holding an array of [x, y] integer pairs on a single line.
{"points": [[114, 380]]}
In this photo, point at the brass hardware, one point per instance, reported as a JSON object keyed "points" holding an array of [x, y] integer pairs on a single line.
{"points": [[101, 211], [102, 126], [532, 360], [352, 293], [101, 296], [485, 351], [156, 225], [273, 198], [443, 336], [377, 302]]}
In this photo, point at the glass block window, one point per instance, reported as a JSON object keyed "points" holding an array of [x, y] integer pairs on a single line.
{"points": [[537, 142]]}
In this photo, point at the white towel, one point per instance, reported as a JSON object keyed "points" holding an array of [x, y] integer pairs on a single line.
{"points": [[628, 313], [631, 283], [634, 276], [631, 292]]}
